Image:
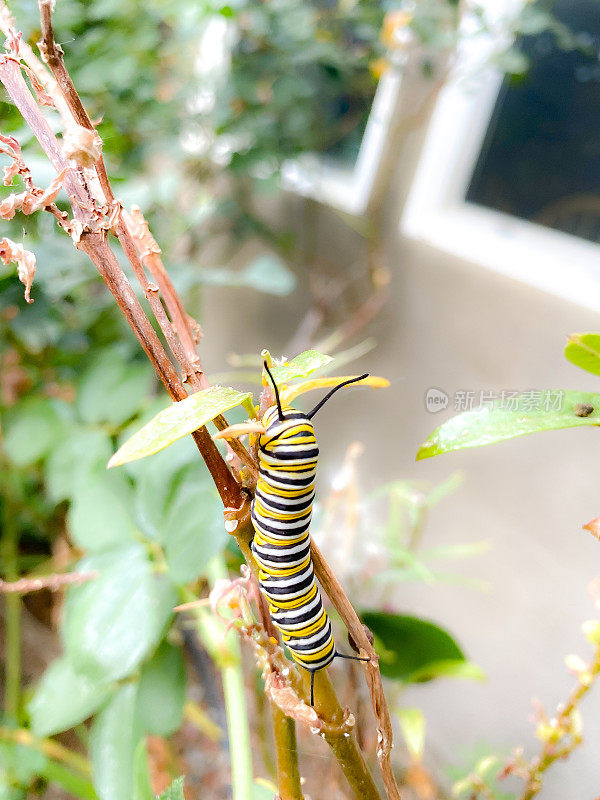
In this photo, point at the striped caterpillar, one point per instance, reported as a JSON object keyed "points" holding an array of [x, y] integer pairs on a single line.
{"points": [[281, 513]]}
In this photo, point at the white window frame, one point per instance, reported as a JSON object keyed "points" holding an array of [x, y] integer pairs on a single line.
{"points": [[350, 189], [436, 211]]}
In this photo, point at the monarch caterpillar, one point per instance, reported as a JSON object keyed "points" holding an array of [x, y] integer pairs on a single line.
{"points": [[281, 513]]}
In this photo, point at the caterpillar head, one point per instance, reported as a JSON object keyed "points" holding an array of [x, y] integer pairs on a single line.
{"points": [[320, 404], [277, 414]]}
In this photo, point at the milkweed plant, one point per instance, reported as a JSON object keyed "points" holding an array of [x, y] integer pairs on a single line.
{"points": [[167, 648]]}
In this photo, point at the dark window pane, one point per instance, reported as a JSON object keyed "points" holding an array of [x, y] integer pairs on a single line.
{"points": [[540, 159]]}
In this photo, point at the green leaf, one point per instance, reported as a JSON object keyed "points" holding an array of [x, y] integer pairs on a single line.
{"points": [[466, 550], [154, 493], [583, 350], [301, 366], [412, 725], [176, 421], [534, 412], [410, 646], [194, 530], [166, 461], [443, 489], [449, 669], [268, 273], [77, 458], [100, 516], [32, 428], [183, 512], [142, 784], [63, 698], [113, 741], [263, 789], [113, 622], [21, 762], [111, 389], [174, 791], [71, 782], [161, 692]]}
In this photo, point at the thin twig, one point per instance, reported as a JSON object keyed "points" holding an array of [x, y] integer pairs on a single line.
{"points": [[49, 747], [140, 247], [561, 735], [150, 255], [51, 582], [52, 54], [103, 257], [186, 353], [183, 350], [12, 612], [356, 629]]}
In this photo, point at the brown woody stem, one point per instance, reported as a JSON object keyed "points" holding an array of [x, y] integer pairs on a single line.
{"points": [[341, 741], [345, 609], [97, 248]]}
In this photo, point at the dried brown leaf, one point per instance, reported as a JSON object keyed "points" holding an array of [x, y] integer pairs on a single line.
{"points": [[138, 229], [11, 147], [593, 527], [48, 195], [82, 145], [32, 201], [9, 173], [11, 204], [24, 259], [285, 698], [42, 95], [75, 229]]}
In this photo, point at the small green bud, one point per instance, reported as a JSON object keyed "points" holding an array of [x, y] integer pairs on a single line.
{"points": [[485, 764], [575, 724], [549, 732], [576, 665], [591, 631], [462, 786]]}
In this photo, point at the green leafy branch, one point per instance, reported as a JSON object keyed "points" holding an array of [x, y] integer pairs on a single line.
{"points": [[533, 412], [528, 412]]}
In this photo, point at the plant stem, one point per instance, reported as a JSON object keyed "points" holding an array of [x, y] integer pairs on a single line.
{"points": [[342, 743], [12, 690], [226, 651], [48, 747], [343, 606], [288, 774], [327, 705], [554, 751], [202, 721], [237, 725], [263, 730]]}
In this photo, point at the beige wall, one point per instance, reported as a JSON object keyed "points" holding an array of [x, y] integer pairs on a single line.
{"points": [[456, 326]]}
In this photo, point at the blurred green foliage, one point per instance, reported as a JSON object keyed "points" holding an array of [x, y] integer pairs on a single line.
{"points": [[299, 80]]}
